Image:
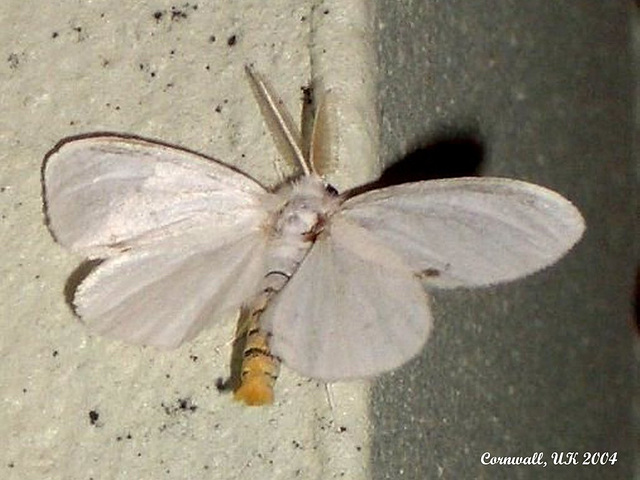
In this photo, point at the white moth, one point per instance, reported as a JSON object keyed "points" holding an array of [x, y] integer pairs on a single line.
{"points": [[337, 279]]}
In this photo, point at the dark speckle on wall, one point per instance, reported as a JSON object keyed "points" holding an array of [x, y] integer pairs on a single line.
{"points": [[180, 405], [176, 13], [13, 60], [94, 416]]}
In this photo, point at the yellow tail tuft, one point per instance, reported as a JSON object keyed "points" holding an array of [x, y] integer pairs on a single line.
{"points": [[259, 369], [254, 392], [259, 373]]}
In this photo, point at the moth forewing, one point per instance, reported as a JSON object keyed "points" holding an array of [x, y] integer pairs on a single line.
{"points": [[472, 231], [104, 193]]}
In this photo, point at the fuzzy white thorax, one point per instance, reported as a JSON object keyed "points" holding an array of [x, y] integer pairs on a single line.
{"points": [[306, 205]]}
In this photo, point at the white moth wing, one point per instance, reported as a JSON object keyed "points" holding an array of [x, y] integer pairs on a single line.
{"points": [[164, 294], [107, 193], [469, 231], [353, 308]]}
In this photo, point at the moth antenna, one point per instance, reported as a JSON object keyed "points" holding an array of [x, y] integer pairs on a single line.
{"points": [[283, 130], [307, 114], [321, 152]]}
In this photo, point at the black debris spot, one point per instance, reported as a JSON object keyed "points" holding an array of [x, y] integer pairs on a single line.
{"points": [[430, 273], [93, 417], [180, 405], [177, 14], [147, 69], [187, 404], [81, 34], [13, 61], [232, 40], [224, 385], [307, 94]]}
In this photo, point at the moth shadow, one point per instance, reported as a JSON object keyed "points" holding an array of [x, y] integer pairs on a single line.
{"points": [[76, 277], [232, 382], [449, 153]]}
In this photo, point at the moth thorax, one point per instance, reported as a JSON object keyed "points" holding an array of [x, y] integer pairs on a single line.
{"points": [[300, 218]]}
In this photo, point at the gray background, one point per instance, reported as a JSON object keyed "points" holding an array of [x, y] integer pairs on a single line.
{"points": [[545, 364]]}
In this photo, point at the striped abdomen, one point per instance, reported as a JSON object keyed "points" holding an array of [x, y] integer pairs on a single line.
{"points": [[295, 229]]}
